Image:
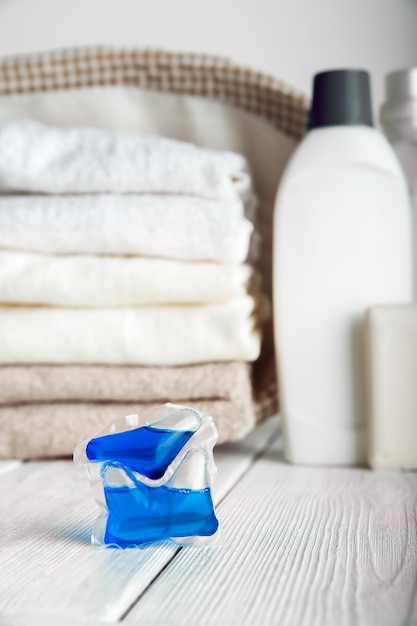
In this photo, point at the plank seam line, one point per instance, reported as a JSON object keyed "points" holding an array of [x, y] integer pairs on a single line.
{"points": [[263, 450], [151, 582], [258, 455]]}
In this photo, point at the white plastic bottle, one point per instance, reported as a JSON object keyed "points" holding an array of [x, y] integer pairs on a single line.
{"points": [[398, 117], [342, 242]]}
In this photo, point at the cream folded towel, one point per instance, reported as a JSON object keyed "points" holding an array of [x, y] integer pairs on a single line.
{"points": [[39, 158], [123, 383], [147, 335], [181, 227], [93, 281]]}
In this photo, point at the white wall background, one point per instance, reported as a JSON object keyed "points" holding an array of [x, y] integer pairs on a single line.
{"points": [[291, 39]]}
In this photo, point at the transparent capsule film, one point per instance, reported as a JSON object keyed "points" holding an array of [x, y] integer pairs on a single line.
{"points": [[153, 479], [147, 444], [139, 514]]}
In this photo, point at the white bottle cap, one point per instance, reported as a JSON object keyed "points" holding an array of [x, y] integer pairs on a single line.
{"points": [[398, 115]]}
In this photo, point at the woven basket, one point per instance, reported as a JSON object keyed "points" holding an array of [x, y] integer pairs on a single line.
{"points": [[196, 75]]}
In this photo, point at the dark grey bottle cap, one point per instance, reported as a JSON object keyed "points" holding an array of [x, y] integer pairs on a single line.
{"points": [[341, 97]]}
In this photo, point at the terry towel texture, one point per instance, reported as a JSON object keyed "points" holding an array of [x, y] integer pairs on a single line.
{"points": [[126, 288], [46, 410], [39, 158], [148, 335], [181, 227], [106, 383], [48, 430], [93, 281]]}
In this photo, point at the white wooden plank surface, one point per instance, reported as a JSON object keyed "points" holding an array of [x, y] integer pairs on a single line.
{"points": [[234, 459], [305, 546], [47, 566], [8, 466]]}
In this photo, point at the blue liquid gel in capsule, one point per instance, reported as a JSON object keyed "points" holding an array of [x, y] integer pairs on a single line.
{"points": [[146, 450], [142, 514]]}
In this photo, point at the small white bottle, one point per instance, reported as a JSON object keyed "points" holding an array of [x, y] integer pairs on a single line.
{"points": [[342, 242], [398, 116]]}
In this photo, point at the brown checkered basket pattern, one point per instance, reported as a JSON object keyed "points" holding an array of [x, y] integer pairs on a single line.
{"points": [[192, 74], [189, 74]]}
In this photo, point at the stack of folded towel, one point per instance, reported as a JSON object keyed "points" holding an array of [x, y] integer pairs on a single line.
{"points": [[124, 283]]}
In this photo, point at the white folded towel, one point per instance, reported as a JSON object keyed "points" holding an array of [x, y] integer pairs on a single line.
{"points": [[93, 281], [148, 335], [39, 158], [181, 227]]}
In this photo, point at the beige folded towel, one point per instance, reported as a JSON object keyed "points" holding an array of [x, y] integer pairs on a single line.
{"points": [[114, 383], [92, 281], [147, 335], [39, 158], [165, 226], [39, 427], [48, 430]]}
